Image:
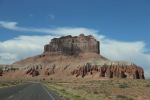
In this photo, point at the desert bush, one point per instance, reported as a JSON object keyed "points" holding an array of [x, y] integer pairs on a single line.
{"points": [[122, 97], [1, 71], [123, 85], [95, 92], [63, 90], [14, 69], [147, 84]]}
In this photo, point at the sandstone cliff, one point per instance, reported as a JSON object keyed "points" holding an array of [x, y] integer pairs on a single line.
{"points": [[70, 45], [110, 71]]}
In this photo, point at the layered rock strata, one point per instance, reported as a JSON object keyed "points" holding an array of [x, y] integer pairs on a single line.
{"points": [[69, 45], [110, 71]]}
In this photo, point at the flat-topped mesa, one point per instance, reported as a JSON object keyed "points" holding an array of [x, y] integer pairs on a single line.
{"points": [[73, 45]]}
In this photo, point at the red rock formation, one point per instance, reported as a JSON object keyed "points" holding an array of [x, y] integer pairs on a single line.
{"points": [[1, 72], [111, 71], [33, 72], [69, 45], [50, 71]]}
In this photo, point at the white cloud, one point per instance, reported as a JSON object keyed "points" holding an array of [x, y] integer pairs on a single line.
{"points": [[6, 57], [59, 31], [14, 26], [8, 25], [22, 47], [25, 46]]}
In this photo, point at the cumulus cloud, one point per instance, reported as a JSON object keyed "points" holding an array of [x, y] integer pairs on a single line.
{"points": [[25, 46], [21, 47]]}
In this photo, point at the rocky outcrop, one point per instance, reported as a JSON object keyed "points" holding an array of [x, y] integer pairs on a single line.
{"points": [[110, 71], [69, 45], [7, 68], [50, 71], [34, 70], [1, 72]]}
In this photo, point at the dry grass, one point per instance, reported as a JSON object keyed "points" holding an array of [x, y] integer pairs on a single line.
{"points": [[122, 89], [8, 83]]}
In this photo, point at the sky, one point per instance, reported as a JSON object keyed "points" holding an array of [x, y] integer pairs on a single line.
{"points": [[121, 26]]}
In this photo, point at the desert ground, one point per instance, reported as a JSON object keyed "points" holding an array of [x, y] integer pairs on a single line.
{"points": [[116, 89], [82, 89]]}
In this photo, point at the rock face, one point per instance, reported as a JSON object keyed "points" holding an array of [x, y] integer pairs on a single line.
{"points": [[70, 45], [33, 72], [111, 71], [7, 68], [50, 71], [1, 72]]}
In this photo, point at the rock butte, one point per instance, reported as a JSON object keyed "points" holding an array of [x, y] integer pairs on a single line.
{"points": [[69, 45], [74, 57]]}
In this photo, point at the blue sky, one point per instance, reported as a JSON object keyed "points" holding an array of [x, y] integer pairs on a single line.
{"points": [[120, 19], [118, 22]]}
